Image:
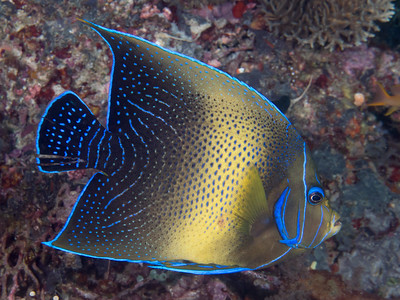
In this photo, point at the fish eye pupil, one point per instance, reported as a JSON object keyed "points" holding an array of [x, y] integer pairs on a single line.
{"points": [[315, 195]]}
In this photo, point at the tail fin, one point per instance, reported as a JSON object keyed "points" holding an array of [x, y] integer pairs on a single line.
{"points": [[68, 136]]}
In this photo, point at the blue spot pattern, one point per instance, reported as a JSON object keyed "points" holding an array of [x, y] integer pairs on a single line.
{"points": [[180, 137]]}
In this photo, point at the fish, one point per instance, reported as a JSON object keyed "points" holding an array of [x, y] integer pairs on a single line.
{"points": [[196, 172], [383, 98]]}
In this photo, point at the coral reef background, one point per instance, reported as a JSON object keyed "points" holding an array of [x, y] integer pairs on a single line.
{"points": [[327, 23], [44, 51]]}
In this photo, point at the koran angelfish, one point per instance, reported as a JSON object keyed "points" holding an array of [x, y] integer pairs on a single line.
{"points": [[197, 171]]}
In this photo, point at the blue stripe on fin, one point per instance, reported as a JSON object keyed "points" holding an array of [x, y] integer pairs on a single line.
{"points": [[69, 136], [193, 268]]}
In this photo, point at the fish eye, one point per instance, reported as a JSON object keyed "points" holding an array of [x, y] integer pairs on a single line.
{"points": [[315, 195]]}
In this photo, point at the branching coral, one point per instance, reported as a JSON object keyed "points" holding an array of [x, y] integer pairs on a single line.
{"points": [[328, 23]]}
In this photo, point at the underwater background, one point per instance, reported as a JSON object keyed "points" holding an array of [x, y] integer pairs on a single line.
{"points": [[277, 47]]}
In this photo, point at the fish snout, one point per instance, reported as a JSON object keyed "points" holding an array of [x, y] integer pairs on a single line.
{"points": [[336, 225]]}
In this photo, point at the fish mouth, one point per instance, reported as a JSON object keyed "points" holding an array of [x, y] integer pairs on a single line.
{"points": [[337, 225]]}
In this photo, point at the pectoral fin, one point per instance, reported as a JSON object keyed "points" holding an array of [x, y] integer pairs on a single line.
{"points": [[254, 211]]}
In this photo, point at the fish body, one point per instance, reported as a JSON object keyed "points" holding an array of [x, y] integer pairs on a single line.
{"points": [[383, 98], [198, 172]]}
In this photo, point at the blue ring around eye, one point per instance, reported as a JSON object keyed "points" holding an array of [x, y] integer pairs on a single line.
{"points": [[315, 190]]}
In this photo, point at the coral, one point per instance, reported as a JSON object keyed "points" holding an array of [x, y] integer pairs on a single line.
{"points": [[327, 23], [200, 287], [388, 35], [194, 4], [17, 267], [357, 59]]}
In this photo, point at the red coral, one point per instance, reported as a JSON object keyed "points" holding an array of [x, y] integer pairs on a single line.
{"points": [[239, 9], [322, 81]]}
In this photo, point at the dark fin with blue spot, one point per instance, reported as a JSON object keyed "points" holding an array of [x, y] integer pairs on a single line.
{"points": [[70, 137]]}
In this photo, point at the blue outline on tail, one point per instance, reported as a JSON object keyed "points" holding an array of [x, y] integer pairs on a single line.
{"points": [[40, 126]]}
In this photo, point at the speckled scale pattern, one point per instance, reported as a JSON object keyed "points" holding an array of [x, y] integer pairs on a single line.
{"points": [[187, 136], [193, 132]]}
